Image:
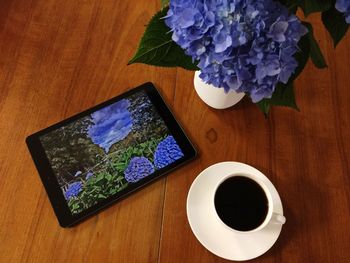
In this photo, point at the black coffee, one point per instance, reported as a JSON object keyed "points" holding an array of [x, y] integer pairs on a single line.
{"points": [[241, 203]]}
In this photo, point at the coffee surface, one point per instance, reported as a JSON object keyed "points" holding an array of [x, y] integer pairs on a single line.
{"points": [[241, 203]]}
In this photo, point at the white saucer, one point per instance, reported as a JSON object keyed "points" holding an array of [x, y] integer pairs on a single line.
{"points": [[211, 232]]}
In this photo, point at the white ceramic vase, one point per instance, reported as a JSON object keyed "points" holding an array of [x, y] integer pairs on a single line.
{"points": [[213, 96]]}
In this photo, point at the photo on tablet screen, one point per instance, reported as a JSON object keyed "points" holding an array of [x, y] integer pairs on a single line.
{"points": [[99, 155]]}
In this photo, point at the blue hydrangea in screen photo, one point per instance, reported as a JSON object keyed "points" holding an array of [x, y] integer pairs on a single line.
{"points": [[167, 152], [138, 168], [89, 175], [242, 45], [344, 7], [73, 190], [102, 154], [111, 124]]}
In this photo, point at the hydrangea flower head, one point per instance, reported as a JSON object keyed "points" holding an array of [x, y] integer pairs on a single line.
{"points": [[167, 152], [73, 190], [241, 45], [138, 168], [343, 6], [89, 175], [78, 173]]}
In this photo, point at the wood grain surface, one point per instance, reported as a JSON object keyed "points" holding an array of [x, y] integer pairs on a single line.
{"points": [[58, 58]]}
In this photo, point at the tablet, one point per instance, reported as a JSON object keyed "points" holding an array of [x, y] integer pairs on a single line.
{"points": [[92, 159]]}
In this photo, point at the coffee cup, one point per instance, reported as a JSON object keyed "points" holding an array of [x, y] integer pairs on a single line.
{"points": [[244, 203]]}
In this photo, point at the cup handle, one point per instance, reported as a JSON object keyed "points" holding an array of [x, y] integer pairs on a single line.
{"points": [[277, 219]]}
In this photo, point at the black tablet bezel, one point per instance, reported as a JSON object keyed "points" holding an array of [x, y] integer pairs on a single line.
{"points": [[48, 178]]}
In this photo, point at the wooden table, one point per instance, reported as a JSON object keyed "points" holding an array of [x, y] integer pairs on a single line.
{"points": [[58, 58]]}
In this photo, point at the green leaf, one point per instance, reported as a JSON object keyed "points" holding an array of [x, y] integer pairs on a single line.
{"points": [[302, 56], [108, 176], [119, 166], [99, 177], [158, 49], [101, 196], [283, 96], [164, 3], [264, 105], [120, 178], [112, 191], [315, 51], [292, 5], [100, 180], [313, 6], [335, 23]]}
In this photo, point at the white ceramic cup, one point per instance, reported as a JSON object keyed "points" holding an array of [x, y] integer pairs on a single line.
{"points": [[271, 216]]}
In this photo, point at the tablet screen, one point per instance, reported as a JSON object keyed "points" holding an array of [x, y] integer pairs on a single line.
{"points": [[105, 152]]}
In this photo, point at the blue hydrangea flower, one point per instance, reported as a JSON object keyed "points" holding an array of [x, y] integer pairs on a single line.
{"points": [[89, 175], [167, 152], [138, 168], [77, 173], [241, 45], [343, 6], [73, 190]]}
